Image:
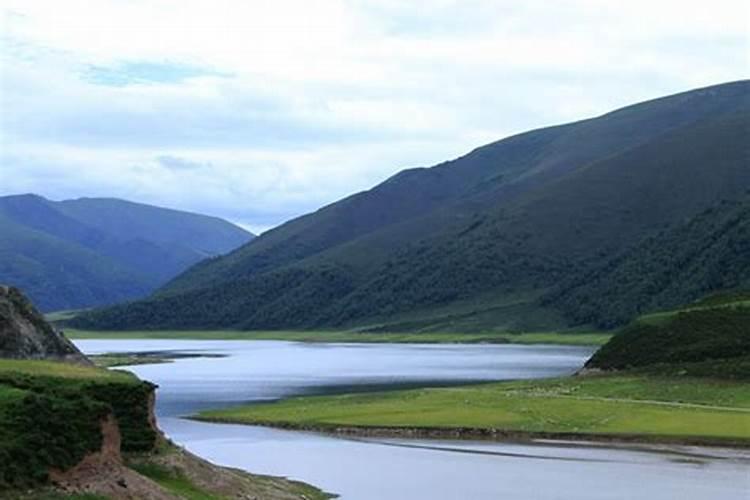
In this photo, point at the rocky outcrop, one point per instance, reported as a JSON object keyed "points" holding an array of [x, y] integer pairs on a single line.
{"points": [[25, 334]]}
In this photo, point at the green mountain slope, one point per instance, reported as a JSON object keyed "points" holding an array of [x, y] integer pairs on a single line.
{"points": [[89, 252], [706, 339], [710, 251], [475, 241]]}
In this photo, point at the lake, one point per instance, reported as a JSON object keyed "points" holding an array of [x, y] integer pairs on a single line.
{"points": [[370, 469]]}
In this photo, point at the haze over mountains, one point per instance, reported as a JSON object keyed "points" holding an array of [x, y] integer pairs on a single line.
{"points": [[544, 229], [94, 251]]}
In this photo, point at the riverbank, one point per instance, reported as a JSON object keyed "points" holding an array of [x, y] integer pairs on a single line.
{"points": [[533, 338], [77, 431], [115, 359], [622, 408]]}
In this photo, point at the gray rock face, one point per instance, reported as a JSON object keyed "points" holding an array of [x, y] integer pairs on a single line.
{"points": [[25, 334]]}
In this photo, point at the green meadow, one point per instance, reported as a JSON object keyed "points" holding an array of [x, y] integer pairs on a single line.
{"points": [[652, 407], [42, 368]]}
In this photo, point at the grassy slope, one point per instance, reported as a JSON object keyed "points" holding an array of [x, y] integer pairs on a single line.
{"points": [[174, 482], [655, 408], [63, 370], [709, 332], [584, 338], [480, 224], [177, 480]]}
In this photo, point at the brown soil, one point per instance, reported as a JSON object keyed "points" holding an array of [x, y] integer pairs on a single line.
{"points": [[103, 473]]}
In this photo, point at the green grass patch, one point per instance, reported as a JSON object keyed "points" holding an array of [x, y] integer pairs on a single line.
{"points": [[114, 360], [562, 338], [614, 405], [721, 301], [63, 370], [173, 481]]}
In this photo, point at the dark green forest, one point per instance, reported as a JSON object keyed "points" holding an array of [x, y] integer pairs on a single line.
{"points": [[679, 265]]}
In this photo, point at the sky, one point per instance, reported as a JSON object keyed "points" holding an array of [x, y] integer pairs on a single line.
{"points": [[261, 111]]}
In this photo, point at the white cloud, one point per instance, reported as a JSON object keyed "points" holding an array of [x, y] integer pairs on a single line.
{"points": [[278, 107]]}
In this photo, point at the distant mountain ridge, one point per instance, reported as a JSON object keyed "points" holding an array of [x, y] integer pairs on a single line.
{"points": [[485, 240], [95, 251]]}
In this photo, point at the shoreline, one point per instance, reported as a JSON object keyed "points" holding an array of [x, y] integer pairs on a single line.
{"points": [[489, 434], [572, 339]]}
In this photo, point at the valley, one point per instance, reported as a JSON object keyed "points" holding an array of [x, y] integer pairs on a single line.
{"points": [[572, 299]]}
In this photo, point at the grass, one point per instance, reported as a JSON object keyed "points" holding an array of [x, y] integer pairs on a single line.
{"points": [[661, 317], [651, 407], [113, 360], [562, 338], [10, 395], [173, 481], [63, 370]]}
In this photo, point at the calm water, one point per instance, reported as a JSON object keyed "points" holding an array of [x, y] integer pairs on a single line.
{"points": [[375, 469]]}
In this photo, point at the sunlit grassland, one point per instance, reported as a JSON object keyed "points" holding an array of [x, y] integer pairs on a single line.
{"points": [[601, 405], [174, 482], [561, 338], [62, 370]]}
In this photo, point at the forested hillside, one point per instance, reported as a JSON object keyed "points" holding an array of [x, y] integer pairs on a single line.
{"points": [[516, 234], [710, 251]]}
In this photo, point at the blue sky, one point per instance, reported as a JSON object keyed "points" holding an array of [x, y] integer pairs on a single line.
{"points": [[260, 111]]}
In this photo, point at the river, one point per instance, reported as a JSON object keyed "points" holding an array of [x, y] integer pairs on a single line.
{"points": [[375, 469]]}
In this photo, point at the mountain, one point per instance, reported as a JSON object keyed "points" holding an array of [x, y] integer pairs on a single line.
{"points": [[95, 251], [484, 241]]}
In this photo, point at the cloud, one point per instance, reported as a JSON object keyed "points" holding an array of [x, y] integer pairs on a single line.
{"points": [[177, 163], [145, 72], [261, 111]]}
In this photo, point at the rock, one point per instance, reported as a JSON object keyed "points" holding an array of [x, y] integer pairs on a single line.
{"points": [[25, 334]]}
